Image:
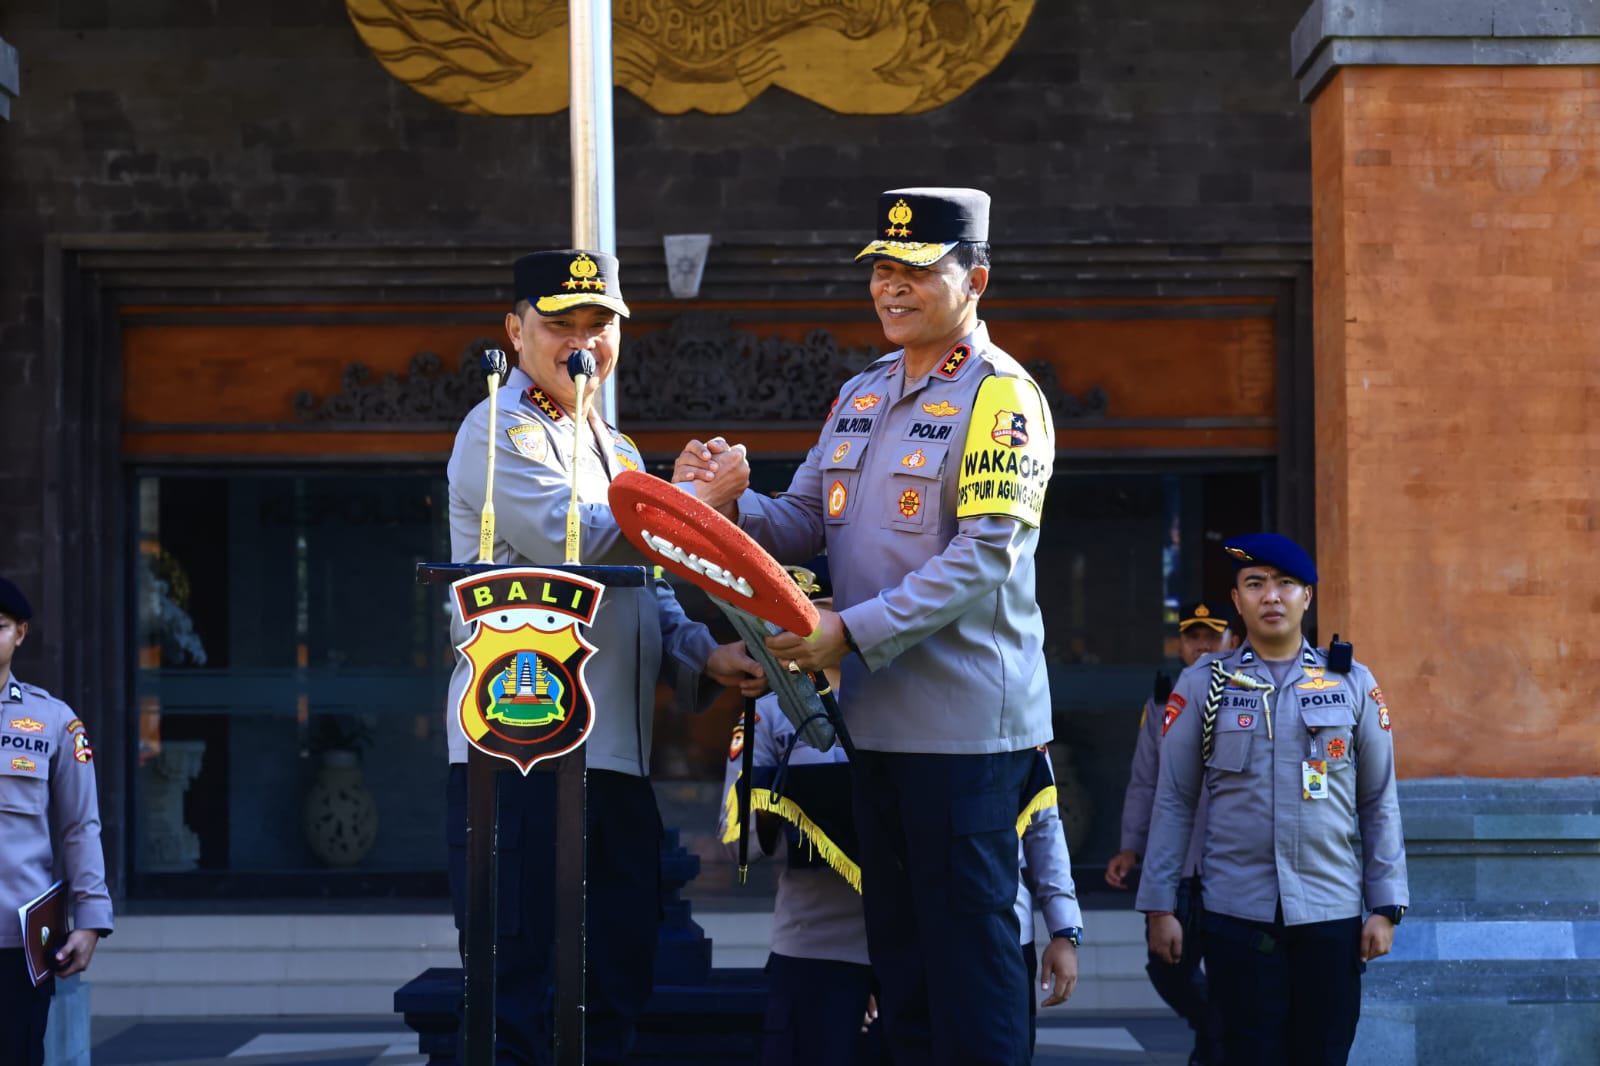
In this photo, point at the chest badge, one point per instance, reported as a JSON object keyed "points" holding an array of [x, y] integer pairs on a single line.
{"points": [[1010, 429], [867, 402], [841, 451], [1336, 748], [914, 460], [1316, 682], [910, 503], [942, 409], [1246, 721], [838, 496], [25, 765], [27, 725]]}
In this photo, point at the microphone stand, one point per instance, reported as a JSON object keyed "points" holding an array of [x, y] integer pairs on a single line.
{"points": [[572, 825], [483, 815]]}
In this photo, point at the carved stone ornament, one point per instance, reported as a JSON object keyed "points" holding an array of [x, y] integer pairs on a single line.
{"points": [[701, 368], [425, 393], [880, 57], [1063, 404]]}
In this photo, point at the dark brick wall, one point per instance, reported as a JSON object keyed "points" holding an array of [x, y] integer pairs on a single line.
{"points": [[1164, 121]]}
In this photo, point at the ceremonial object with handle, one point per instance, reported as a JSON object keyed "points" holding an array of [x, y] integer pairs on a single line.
{"points": [[493, 365], [580, 365]]}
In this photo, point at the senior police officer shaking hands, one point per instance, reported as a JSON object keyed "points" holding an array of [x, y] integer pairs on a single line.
{"points": [[926, 487], [1293, 749], [46, 784], [566, 301]]}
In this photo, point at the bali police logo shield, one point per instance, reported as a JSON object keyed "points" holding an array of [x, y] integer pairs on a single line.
{"points": [[527, 699]]}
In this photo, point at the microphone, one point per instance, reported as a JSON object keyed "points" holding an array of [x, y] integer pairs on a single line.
{"points": [[580, 366], [492, 364]]}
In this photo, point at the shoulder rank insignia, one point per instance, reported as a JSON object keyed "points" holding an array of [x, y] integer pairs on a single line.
{"points": [[954, 362], [553, 410]]}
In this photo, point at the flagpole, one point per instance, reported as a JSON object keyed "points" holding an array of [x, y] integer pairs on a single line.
{"points": [[593, 226]]}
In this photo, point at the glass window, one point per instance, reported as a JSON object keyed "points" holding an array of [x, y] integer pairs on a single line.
{"points": [[290, 673]]}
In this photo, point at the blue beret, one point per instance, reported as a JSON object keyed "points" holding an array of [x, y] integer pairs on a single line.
{"points": [[1271, 549], [13, 602]]}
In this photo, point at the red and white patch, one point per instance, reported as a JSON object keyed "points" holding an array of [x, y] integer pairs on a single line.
{"points": [[736, 745], [1246, 721], [838, 496], [1175, 705], [1377, 695], [1383, 718], [80, 748], [910, 503]]}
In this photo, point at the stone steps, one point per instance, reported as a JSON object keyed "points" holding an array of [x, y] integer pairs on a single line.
{"points": [[352, 964]]}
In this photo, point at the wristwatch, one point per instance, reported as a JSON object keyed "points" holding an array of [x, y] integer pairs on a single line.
{"points": [[1072, 933], [1391, 912]]}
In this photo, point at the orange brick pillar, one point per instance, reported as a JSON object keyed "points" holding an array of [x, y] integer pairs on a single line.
{"points": [[1456, 244]]}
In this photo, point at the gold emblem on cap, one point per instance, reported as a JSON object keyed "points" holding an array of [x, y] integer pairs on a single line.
{"points": [[585, 274], [1202, 611], [899, 215], [1239, 553]]}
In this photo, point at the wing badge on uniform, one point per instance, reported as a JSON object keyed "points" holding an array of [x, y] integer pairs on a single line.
{"points": [[528, 699]]}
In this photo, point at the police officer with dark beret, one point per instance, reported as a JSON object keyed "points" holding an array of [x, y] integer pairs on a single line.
{"points": [[46, 784], [1292, 746]]}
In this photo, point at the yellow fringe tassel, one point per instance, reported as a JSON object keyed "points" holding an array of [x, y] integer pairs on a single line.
{"points": [[1045, 799], [761, 800]]}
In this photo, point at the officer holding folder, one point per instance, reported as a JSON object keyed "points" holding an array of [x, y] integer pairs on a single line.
{"points": [[46, 779]]}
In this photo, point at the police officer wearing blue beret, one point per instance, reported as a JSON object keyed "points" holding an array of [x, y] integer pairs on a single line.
{"points": [[47, 791], [926, 486], [1293, 749], [565, 301]]}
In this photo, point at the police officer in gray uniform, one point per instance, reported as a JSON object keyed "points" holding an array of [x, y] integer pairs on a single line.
{"points": [[926, 488], [1202, 630], [46, 785], [1293, 748], [566, 301]]}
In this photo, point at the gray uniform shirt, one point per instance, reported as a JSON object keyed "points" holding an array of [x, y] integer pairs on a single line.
{"points": [[634, 628], [1263, 840], [943, 611], [1140, 797], [47, 782], [1046, 876]]}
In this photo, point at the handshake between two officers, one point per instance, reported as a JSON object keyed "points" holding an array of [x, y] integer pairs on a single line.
{"points": [[718, 472]]}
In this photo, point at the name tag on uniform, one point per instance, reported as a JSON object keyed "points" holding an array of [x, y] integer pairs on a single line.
{"points": [[1314, 779]]}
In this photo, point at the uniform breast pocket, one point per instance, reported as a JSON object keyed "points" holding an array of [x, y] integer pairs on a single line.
{"points": [[1230, 743], [1332, 728], [915, 487], [841, 469], [24, 783]]}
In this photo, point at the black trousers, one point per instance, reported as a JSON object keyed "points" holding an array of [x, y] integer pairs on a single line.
{"points": [[814, 1013], [1182, 985], [624, 901], [24, 1011], [1287, 995], [938, 846]]}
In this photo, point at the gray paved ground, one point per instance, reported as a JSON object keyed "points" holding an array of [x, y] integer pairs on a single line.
{"points": [[1106, 1039]]}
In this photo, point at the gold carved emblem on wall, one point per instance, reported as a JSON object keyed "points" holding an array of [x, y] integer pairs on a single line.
{"points": [[867, 57]]}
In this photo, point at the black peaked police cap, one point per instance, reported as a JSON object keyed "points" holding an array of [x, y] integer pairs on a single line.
{"points": [[920, 226], [558, 281]]}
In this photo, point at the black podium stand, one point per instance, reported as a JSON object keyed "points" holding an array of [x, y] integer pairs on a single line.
{"points": [[483, 768]]}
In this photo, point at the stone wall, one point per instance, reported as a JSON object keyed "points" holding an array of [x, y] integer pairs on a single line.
{"points": [[1166, 122]]}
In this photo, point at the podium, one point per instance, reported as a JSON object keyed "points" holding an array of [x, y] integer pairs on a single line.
{"points": [[527, 705]]}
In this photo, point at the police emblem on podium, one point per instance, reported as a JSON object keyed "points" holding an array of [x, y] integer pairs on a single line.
{"points": [[527, 699]]}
